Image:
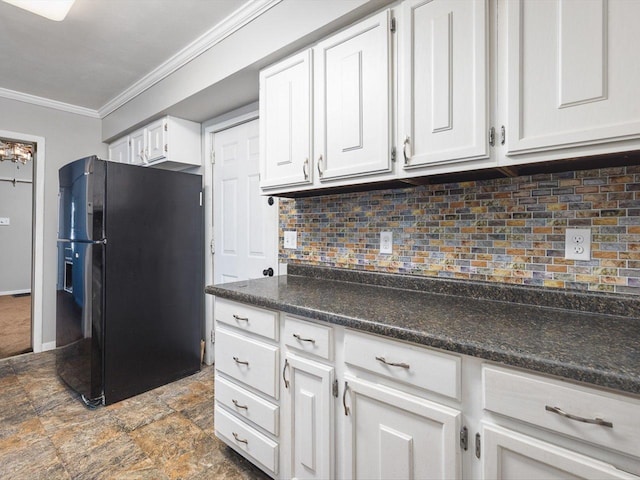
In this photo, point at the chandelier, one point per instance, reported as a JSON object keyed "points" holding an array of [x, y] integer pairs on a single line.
{"points": [[16, 151]]}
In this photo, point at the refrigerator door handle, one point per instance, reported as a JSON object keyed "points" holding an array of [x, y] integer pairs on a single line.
{"points": [[92, 242]]}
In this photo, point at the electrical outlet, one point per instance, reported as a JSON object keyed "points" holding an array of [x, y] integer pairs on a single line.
{"points": [[5, 221], [386, 242], [291, 239], [577, 244]]}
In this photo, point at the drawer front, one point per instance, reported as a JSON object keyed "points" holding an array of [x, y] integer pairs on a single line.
{"points": [[424, 368], [308, 337], [249, 406], [251, 319], [534, 399], [248, 361], [247, 440]]}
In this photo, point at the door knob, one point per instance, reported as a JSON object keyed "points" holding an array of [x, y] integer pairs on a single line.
{"points": [[268, 272]]}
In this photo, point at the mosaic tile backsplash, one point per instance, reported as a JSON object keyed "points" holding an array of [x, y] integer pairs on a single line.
{"points": [[508, 230]]}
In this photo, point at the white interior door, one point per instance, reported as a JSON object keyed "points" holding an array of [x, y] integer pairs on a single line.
{"points": [[245, 224]]}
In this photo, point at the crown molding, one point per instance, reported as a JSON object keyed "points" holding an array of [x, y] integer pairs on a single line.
{"points": [[48, 103], [236, 20]]}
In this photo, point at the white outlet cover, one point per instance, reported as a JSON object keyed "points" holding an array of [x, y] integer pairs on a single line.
{"points": [[577, 244], [291, 239], [386, 242], [5, 221]]}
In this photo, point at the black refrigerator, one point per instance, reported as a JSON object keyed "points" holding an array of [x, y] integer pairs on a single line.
{"points": [[130, 287]]}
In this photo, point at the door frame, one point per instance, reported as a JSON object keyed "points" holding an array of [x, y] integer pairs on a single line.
{"points": [[37, 238], [208, 133]]}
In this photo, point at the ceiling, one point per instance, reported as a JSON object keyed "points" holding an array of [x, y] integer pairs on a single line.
{"points": [[102, 48]]}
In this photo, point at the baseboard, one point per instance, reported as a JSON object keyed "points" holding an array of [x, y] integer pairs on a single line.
{"points": [[15, 292], [48, 346]]}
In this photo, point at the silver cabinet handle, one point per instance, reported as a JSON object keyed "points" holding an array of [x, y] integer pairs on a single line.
{"points": [[407, 141], [319, 165], [240, 362], [344, 399], [305, 165], [284, 371], [392, 364], [301, 339], [238, 318], [594, 421], [503, 135], [240, 440], [235, 402]]}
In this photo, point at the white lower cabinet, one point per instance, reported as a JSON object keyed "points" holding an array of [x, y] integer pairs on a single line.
{"points": [[391, 434], [309, 410], [305, 399], [510, 455]]}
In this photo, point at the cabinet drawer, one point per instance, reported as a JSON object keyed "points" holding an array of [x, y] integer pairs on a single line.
{"points": [[251, 319], [424, 368], [530, 398], [249, 406], [245, 439], [247, 360], [308, 337]]}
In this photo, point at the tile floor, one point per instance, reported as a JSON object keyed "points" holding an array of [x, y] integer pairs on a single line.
{"points": [[167, 433]]}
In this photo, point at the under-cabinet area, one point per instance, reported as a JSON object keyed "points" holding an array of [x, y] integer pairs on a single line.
{"points": [[303, 398]]}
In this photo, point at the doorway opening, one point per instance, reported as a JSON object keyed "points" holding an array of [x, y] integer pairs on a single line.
{"points": [[16, 237]]}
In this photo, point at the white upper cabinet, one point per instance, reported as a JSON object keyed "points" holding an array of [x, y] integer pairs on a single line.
{"points": [[170, 143], [285, 122], [353, 100], [572, 77], [443, 75], [119, 150]]}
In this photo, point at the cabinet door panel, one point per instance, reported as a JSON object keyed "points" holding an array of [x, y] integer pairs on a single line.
{"points": [[285, 122], [310, 411], [391, 434], [443, 64], [352, 112], [572, 73], [139, 146], [157, 140], [513, 456]]}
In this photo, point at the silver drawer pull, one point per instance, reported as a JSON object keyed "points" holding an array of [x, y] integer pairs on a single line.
{"points": [[300, 339], [235, 402], [594, 421], [239, 440], [240, 362], [238, 318], [392, 364]]}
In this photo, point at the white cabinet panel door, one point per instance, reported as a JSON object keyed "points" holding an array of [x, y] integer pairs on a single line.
{"points": [[309, 407], [157, 140], [285, 120], [443, 73], [352, 100], [572, 70], [119, 150], [139, 146], [395, 435], [510, 455]]}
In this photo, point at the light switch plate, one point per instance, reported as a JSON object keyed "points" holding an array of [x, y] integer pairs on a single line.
{"points": [[5, 221], [577, 244], [291, 239], [386, 242]]}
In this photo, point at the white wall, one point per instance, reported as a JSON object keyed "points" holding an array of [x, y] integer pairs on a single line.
{"points": [[15, 238], [67, 137]]}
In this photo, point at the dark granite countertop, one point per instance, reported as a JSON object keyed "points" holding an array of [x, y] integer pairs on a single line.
{"points": [[470, 318]]}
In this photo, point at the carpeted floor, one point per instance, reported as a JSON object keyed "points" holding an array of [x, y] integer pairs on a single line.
{"points": [[15, 325], [167, 433]]}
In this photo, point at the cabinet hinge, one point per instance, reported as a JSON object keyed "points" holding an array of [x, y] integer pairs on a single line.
{"points": [[393, 154], [165, 127], [166, 147], [212, 246], [492, 136], [393, 25], [478, 445], [503, 135], [464, 438], [335, 388], [213, 336], [212, 156]]}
